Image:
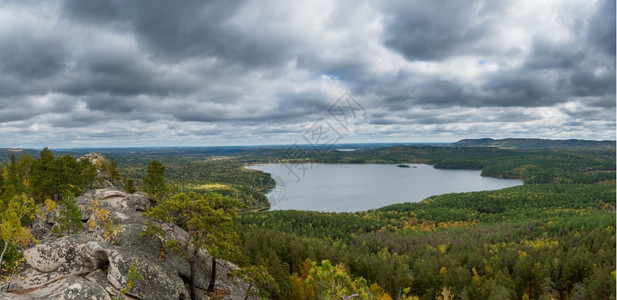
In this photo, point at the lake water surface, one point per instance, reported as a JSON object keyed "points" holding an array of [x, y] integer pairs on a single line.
{"points": [[358, 187]]}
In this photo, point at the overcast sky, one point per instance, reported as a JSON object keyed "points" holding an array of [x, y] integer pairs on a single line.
{"points": [[165, 73]]}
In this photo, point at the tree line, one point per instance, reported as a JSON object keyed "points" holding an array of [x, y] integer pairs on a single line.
{"points": [[550, 238], [553, 241]]}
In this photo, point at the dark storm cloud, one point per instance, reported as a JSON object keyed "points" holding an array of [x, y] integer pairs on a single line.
{"points": [[519, 88], [548, 55], [550, 72], [434, 30], [112, 104], [152, 72], [176, 32], [438, 116], [120, 69], [601, 30], [28, 55], [10, 115]]}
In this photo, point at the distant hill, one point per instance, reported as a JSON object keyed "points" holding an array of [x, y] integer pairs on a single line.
{"points": [[535, 144], [5, 153]]}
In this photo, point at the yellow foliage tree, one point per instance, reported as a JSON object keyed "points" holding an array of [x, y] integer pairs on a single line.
{"points": [[12, 232], [301, 290], [102, 222]]}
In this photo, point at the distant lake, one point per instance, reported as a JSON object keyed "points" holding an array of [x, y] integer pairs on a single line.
{"points": [[358, 187]]}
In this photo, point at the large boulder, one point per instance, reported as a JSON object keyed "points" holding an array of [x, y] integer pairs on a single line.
{"points": [[54, 260], [66, 256], [107, 197], [159, 282], [70, 288], [109, 193], [100, 277], [137, 201]]}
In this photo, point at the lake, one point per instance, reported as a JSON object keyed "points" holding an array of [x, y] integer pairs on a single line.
{"points": [[358, 187]]}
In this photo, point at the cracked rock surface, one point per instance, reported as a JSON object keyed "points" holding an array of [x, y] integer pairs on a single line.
{"points": [[85, 266]]}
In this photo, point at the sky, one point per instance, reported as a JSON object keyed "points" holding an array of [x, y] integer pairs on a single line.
{"points": [[85, 73]]}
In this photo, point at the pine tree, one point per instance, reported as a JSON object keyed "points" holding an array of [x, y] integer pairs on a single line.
{"points": [[129, 187], [13, 175], [69, 218], [50, 176], [87, 174], [2, 183], [210, 221], [256, 276], [43, 176], [113, 171], [154, 181]]}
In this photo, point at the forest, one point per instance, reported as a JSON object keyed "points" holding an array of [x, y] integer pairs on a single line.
{"points": [[26, 185], [535, 241], [551, 238]]}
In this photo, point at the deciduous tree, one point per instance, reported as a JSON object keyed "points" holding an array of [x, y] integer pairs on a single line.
{"points": [[12, 231]]}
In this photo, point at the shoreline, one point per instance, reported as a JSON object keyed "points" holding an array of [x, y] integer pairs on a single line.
{"points": [[423, 168]]}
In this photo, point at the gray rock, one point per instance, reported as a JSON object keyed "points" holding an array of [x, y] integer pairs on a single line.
{"points": [[65, 256], [40, 229], [130, 237], [71, 255], [236, 288], [137, 201], [100, 194], [94, 157], [159, 282], [100, 277], [55, 263], [30, 279], [106, 184], [108, 193], [70, 288]]}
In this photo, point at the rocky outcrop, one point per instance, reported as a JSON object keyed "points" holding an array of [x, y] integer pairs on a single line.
{"points": [[87, 266], [159, 282], [69, 288], [94, 157]]}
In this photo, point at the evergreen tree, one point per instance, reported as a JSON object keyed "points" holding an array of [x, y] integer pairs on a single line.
{"points": [[88, 174], [69, 218], [129, 187], [154, 181], [13, 176], [44, 177], [256, 276], [210, 221], [113, 171], [2, 181], [51, 176], [68, 176]]}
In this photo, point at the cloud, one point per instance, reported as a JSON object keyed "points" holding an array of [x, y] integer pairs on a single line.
{"points": [[430, 31], [118, 73]]}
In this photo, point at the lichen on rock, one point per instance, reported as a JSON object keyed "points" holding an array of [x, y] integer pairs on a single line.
{"points": [[87, 266]]}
